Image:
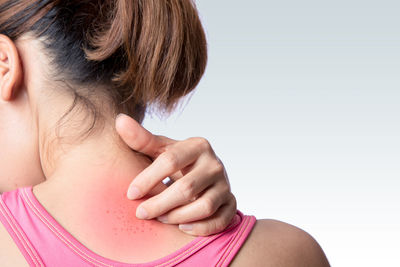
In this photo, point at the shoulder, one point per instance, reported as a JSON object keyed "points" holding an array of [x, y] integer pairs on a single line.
{"points": [[274, 243], [10, 254]]}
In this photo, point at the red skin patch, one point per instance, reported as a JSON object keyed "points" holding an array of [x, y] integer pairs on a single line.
{"points": [[110, 216], [90, 202]]}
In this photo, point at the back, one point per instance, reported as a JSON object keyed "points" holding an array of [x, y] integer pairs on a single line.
{"points": [[44, 242]]}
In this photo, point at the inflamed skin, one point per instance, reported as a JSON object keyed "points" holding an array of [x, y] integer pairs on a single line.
{"points": [[98, 213]]}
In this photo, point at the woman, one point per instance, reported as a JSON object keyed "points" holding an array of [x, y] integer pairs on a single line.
{"points": [[67, 69], [143, 141]]}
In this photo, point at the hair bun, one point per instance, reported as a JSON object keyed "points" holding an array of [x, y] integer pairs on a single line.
{"points": [[164, 46]]}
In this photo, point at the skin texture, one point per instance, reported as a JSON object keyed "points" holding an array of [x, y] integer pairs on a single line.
{"points": [[29, 111], [106, 210], [199, 170], [15, 123], [9, 252], [84, 171], [87, 182], [20, 136], [277, 244]]}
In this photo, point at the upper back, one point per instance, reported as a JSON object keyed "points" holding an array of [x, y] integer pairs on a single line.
{"points": [[44, 242], [10, 255]]}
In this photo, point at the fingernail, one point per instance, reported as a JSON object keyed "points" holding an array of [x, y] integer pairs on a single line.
{"points": [[186, 227], [141, 213], [162, 219], [133, 193]]}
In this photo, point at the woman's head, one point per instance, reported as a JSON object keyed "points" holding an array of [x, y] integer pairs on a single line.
{"points": [[68, 67]]}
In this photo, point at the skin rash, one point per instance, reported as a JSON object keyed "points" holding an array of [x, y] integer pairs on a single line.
{"points": [[113, 218], [83, 186], [109, 215]]}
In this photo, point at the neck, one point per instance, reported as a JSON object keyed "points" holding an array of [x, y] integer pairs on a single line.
{"points": [[96, 165], [89, 185]]}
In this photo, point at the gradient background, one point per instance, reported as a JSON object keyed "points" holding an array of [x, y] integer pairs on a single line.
{"points": [[301, 101]]}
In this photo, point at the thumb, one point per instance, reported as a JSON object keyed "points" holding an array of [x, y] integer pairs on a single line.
{"points": [[140, 139]]}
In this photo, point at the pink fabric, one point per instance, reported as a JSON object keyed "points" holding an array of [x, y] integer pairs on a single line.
{"points": [[44, 242]]}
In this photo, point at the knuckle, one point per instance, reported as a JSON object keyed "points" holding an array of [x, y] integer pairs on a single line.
{"points": [[222, 223], [218, 167], [187, 189], [203, 143], [224, 191], [233, 204], [214, 227], [227, 189], [170, 160], [208, 207]]}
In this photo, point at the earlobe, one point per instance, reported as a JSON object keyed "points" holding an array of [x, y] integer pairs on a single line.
{"points": [[10, 68]]}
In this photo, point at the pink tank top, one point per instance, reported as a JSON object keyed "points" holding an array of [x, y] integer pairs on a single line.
{"points": [[43, 241]]}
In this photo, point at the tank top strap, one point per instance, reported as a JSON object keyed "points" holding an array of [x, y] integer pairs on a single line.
{"points": [[49, 244], [237, 239], [220, 249], [18, 235]]}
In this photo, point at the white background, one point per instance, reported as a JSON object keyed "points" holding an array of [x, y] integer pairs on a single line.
{"points": [[301, 101]]}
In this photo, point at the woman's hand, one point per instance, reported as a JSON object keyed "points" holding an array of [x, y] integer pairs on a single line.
{"points": [[199, 199]]}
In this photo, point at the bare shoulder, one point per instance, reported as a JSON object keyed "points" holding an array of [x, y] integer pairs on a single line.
{"points": [[9, 252], [274, 243]]}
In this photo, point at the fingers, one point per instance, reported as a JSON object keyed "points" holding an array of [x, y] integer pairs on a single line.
{"points": [[181, 155], [140, 139], [205, 206], [214, 224], [179, 193]]}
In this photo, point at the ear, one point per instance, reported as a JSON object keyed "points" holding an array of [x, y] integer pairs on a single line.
{"points": [[10, 68]]}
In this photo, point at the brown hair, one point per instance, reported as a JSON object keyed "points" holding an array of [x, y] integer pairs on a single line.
{"points": [[150, 52]]}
